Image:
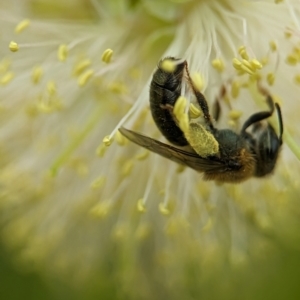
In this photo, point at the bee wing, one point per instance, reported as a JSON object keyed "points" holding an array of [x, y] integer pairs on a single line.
{"points": [[180, 156]]}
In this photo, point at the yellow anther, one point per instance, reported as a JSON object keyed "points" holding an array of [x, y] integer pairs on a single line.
{"points": [[107, 140], [198, 81], [247, 69], [264, 60], [231, 123], [180, 105], [273, 46], [7, 78], [296, 52], [256, 64], [107, 55], [101, 150], [287, 34], [127, 168], [49, 106], [297, 79], [85, 77], [13, 46], [22, 26], [243, 53], [181, 116], [247, 64], [236, 63], [235, 114], [163, 209], [98, 183], [218, 64], [51, 88], [100, 210], [194, 112], [120, 139], [141, 205], [118, 88], [168, 65], [36, 75], [270, 78], [81, 66], [143, 155], [235, 89], [62, 52], [292, 59]]}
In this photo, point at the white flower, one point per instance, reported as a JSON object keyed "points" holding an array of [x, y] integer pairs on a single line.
{"points": [[79, 200]]}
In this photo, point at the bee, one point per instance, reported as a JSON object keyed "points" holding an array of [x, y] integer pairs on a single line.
{"points": [[236, 157]]}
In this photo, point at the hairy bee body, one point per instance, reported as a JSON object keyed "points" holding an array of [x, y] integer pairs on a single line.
{"points": [[165, 88], [238, 157]]}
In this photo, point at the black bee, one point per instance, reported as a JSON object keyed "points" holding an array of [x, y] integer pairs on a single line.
{"points": [[239, 157]]}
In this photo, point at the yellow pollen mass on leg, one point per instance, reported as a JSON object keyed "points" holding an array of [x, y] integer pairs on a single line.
{"points": [[201, 140]]}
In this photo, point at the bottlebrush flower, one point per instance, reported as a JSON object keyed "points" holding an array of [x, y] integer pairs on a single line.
{"points": [[80, 202]]}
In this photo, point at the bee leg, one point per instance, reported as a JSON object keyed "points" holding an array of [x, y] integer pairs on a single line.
{"points": [[201, 101], [257, 117]]}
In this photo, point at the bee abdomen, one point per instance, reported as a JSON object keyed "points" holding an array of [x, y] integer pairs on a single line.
{"points": [[165, 88]]}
